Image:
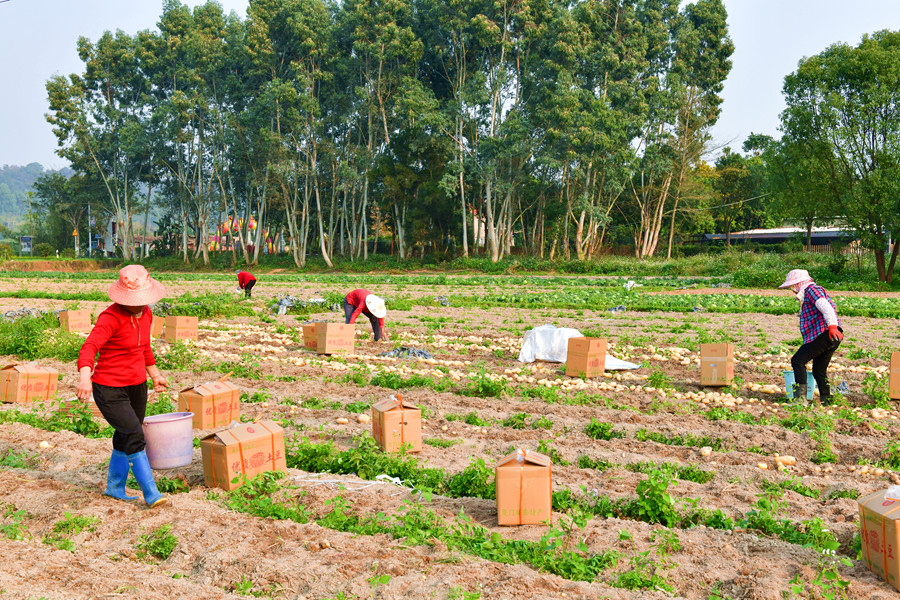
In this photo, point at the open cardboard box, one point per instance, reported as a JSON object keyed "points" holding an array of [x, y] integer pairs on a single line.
{"points": [[524, 488], [28, 382], [214, 404], [232, 456], [396, 423]]}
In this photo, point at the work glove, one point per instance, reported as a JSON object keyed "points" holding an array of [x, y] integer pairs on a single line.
{"points": [[833, 334]]}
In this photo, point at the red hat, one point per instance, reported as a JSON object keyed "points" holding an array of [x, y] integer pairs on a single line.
{"points": [[135, 287]]}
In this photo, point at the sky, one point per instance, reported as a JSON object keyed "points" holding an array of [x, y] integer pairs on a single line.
{"points": [[37, 41]]}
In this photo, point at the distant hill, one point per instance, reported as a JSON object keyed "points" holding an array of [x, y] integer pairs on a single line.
{"points": [[15, 181]]}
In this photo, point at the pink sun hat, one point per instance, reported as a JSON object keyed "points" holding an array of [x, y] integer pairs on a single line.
{"points": [[794, 277], [135, 287]]}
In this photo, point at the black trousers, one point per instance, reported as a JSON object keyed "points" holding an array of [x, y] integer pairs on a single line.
{"points": [[349, 309], [124, 408], [819, 351], [249, 287]]}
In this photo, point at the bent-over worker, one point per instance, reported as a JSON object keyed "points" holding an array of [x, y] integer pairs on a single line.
{"points": [[365, 302]]}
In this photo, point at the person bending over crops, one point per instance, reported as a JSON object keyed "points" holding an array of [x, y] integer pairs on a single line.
{"points": [[246, 281], [119, 380], [821, 330], [367, 303]]}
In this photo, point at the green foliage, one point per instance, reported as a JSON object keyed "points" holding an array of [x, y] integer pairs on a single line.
{"points": [[159, 543], [654, 504], [586, 462], [70, 525], [33, 338], [645, 572], [658, 379], [475, 481], [13, 528], [43, 249], [162, 404], [78, 420], [180, 356], [602, 431], [482, 385], [441, 443], [516, 420], [685, 472], [11, 460], [642, 435]]}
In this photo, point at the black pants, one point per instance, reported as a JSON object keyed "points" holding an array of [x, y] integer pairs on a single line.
{"points": [[819, 351], [349, 309], [249, 287], [124, 408]]}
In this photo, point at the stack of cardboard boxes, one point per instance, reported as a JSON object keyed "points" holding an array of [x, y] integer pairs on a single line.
{"points": [[880, 535]]}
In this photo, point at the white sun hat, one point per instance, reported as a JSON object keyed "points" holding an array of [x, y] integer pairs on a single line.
{"points": [[794, 277], [376, 306]]}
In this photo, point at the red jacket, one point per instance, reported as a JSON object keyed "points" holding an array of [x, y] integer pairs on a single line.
{"points": [[357, 299], [123, 342], [244, 278]]}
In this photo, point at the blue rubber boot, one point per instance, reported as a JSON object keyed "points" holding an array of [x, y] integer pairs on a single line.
{"points": [[118, 474], [140, 466]]}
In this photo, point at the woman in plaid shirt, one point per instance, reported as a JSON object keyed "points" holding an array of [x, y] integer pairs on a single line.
{"points": [[821, 330]]}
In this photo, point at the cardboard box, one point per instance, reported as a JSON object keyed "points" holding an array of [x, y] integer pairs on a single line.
{"points": [[159, 324], [334, 337], [716, 364], [395, 423], [310, 336], [28, 382], [586, 357], [180, 329], [524, 488], [75, 320], [233, 455], [214, 404], [881, 536], [894, 377]]}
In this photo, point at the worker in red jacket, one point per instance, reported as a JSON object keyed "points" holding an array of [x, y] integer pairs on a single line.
{"points": [[246, 281], [118, 381], [365, 302]]}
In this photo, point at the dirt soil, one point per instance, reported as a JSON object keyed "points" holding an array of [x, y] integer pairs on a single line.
{"points": [[222, 553]]}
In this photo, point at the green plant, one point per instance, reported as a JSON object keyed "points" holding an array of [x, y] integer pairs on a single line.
{"points": [[602, 431], [12, 460], [475, 481], [654, 504], [542, 422], [658, 379], [645, 573], [827, 583], [441, 443], [516, 420], [544, 447], [159, 543], [482, 385], [14, 529], [70, 525], [472, 418], [586, 462], [180, 356]]}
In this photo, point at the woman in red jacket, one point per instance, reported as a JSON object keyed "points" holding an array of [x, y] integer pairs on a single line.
{"points": [[365, 302], [121, 337], [246, 281]]}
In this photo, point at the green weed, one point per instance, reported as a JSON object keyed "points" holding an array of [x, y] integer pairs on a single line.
{"points": [[159, 543]]}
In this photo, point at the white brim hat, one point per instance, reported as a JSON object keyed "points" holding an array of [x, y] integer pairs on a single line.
{"points": [[794, 277], [135, 287], [376, 306]]}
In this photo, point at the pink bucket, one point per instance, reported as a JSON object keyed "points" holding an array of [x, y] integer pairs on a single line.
{"points": [[170, 440]]}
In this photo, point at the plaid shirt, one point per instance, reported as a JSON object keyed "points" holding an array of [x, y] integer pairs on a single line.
{"points": [[812, 323]]}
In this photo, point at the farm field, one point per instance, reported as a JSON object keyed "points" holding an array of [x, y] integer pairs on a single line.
{"points": [[662, 488]]}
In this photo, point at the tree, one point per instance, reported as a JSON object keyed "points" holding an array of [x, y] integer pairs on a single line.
{"points": [[843, 111]]}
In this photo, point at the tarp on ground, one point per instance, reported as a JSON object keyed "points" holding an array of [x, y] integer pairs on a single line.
{"points": [[551, 343]]}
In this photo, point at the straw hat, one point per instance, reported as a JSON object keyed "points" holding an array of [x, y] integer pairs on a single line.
{"points": [[376, 306], [794, 277], [135, 287]]}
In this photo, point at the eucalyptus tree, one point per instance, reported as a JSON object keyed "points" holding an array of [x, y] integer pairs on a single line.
{"points": [[94, 117], [843, 109]]}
